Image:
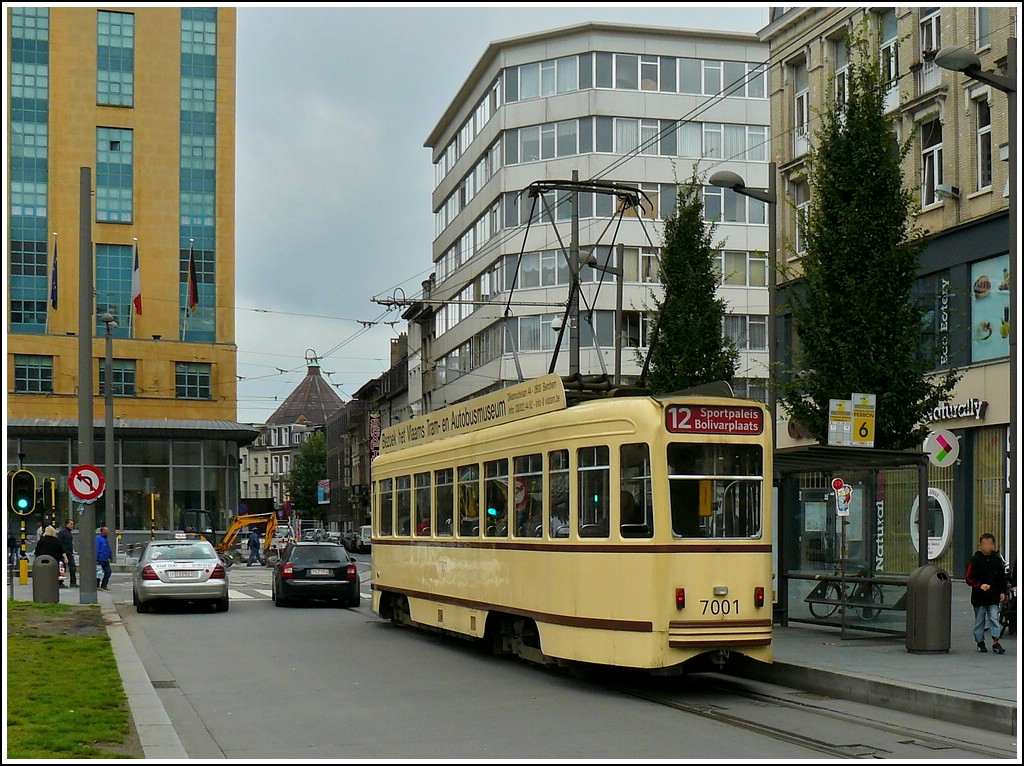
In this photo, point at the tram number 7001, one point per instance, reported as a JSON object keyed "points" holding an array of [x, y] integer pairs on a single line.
{"points": [[720, 606]]}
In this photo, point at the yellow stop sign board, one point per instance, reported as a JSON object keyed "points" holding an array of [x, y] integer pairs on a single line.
{"points": [[863, 420]]}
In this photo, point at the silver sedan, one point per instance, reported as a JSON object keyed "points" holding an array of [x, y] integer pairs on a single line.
{"points": [[184, 570]]}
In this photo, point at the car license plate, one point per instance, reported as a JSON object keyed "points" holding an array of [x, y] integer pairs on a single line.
{"points": [[320, 572], [182, 575]]}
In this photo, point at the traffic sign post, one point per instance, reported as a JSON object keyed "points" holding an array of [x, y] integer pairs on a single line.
{"points": [[839, 423], [86, 482], [863, 432]]}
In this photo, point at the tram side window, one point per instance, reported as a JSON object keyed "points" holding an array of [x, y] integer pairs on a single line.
{"points": [[558, 492], [469, 500], [715, 490], [636, 506], [528, 484], [594, 479], [422, 502], [386, 522], [496, 497], [445, 488], [403, 505]]}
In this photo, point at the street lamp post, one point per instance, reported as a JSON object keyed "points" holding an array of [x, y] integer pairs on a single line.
{"points": [[110, 493], [726, 179], [963, 59]]}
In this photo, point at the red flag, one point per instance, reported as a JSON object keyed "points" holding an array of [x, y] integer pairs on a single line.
{"points": [[137, 284], [192, 288]]}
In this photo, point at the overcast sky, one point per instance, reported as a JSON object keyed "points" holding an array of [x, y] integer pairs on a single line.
{"points": [[333, 182]]}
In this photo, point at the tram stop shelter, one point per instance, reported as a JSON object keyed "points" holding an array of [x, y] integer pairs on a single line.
{"points": [[850, 571]]}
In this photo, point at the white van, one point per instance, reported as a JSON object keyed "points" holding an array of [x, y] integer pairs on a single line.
{"points": [[363, 541]]}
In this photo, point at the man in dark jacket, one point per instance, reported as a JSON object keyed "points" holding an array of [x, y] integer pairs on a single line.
{"points": [[986, 574], [254, 549], [67, 542]]}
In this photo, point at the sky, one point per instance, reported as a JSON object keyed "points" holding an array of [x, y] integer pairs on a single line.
{"points": [[333, 183]]}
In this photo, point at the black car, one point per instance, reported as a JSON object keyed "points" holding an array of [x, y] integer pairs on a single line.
{"points": [[316, 570], [348, 539]]}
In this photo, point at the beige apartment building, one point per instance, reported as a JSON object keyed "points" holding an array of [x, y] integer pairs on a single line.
{"points": [[960, 143]]}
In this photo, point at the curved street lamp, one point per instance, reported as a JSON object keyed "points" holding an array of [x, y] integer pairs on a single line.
{"points": [[727, 179], [961, 58]]}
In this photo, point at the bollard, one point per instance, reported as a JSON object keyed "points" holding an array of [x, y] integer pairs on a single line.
{"points": [[45, 580]]}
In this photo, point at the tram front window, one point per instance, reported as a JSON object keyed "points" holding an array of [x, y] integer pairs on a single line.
{"points": [[715, 490]]}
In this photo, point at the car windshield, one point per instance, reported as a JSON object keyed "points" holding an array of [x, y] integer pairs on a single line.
{"points": [[317, 554], [183, 551]]}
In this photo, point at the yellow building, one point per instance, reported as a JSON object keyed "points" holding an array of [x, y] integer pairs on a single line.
{"points": [[958, 128], [144, 98]]}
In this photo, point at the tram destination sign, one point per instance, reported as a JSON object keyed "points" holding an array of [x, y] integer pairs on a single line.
{"points": [[523, 400], [714, 419]]}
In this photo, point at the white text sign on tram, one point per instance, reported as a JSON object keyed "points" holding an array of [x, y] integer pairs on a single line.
{"points": [[714, 419]]}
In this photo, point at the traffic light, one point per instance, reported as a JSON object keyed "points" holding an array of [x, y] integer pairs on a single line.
{"points": [[22, 492]]}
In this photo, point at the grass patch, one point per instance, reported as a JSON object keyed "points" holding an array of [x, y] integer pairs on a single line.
{"points": [[64, 692]]}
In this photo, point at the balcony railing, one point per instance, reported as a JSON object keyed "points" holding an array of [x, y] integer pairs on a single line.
{"points": [[929, 77]]}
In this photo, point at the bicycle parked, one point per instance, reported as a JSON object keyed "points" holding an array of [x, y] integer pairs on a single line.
{"points": [[827, 596]]}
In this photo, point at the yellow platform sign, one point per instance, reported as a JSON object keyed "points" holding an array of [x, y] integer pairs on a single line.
{"points": [[863, 431], [523, 400]]}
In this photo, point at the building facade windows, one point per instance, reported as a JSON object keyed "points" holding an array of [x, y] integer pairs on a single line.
{"points": [[802, 198], [748, 331], [983, 27], [801, 109], [742, 269], [33, 374], [931, 161], [114, 175], [28, 151], [197, 170], [888, 53], [984, 148], [114, 264], [123, 374], [841, 83], [192, 380], [115, 58]]}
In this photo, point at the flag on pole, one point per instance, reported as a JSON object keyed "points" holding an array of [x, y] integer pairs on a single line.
{"points": [[137, 284], [192, 287], [53, 277]]}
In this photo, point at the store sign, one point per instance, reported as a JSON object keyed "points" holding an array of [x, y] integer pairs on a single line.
{"points": [[972, 408], [944, 323], [707, 419], [939, 521], [880, 536], [990, 309], [374, 435]]}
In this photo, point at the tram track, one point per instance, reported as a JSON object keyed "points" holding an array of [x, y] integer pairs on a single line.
{"points": [[929, 743]]}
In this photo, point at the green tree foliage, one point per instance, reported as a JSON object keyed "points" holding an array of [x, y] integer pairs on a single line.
{"points": [[858, 328], [688, 348], [308, 467]]}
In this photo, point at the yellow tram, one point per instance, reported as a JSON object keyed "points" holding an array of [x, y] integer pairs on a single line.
{"points": [[625, 530]]}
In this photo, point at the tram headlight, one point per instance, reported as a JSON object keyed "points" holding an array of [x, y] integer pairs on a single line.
{"points": [[680, 598], [759, 596]]}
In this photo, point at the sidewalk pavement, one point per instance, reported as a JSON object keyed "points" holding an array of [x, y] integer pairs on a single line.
{"points": [[962, 686], [157, 735]]}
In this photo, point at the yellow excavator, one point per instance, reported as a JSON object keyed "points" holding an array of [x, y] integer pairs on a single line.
{"points": [[226, 549]]}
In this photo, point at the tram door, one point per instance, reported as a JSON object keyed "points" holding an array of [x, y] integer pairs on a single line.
{"points": [[819, 533]]}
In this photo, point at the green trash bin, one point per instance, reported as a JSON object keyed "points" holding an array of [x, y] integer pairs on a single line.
{"points": [[46, 580]]}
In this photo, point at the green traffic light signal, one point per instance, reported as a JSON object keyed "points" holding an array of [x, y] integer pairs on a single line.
{"points": [[22, 492]]}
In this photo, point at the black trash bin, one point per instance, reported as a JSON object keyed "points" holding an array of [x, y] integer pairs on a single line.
{"points": [[929, 600], [45, 580]]}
